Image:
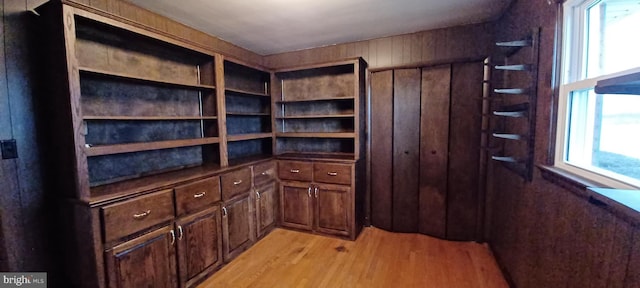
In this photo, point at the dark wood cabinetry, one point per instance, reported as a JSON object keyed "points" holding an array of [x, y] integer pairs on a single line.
{"points": [[326, 208], [266, 208], [199, 238], [146, 261], [296, 205], [238, 226]]}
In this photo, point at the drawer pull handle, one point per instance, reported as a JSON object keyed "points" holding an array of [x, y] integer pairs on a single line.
{"points": [[238, 182], [180, 233], [295, 170], [173, 237], [199, 195], [264, 174], [332, 173], [142, 215], [258, 195]]}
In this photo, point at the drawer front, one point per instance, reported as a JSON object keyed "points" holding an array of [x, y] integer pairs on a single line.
{"points": [[295, 170], [197, 195], [235, 183], [127, 217], [263, 173], [332, 173]]}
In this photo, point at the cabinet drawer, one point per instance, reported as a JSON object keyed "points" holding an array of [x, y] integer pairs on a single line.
{"points": [[195, 196], [295, 170], [332, 173], [263, 173], [127, 217], [235, 183]]}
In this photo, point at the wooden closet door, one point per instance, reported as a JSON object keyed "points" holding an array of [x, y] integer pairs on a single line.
{"points": [[406, 149], [382, 149], [464, 146], [434, 150]]}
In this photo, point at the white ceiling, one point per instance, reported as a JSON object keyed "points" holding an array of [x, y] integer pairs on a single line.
{"points": [[274, 26]]}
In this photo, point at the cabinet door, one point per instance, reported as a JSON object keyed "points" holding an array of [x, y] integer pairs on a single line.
{"points": [[199, 244], [238, 228], [266, 207], [296, 205], [146, 261], [333, 212]]}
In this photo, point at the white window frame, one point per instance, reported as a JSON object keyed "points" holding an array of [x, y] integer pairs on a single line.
{"points": [[574, 56]]}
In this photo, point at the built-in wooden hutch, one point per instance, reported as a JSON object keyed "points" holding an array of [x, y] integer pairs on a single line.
{"points": [[174, 159]]}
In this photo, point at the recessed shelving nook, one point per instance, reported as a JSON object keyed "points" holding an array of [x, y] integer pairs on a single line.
{"points": [[145, 106], [319, 109], [248, 112]]}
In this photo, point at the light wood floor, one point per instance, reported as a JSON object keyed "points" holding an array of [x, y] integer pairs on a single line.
{"points": [[377, 259]]}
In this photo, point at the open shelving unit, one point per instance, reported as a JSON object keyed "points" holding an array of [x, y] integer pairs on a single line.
{"points": [[318, 109], [513, 103], [144, 106], [248, 112]]}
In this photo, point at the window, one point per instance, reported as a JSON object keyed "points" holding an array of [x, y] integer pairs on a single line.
{"points": [[599, 134]]}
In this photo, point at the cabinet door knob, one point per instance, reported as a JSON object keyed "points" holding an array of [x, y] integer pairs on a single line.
{"points": [[309, 192], [332, 173], [224, 211], [237, 182], [295, 170], [258, 195], [264, 173], [141, 215], [199, 195], [180, 234], [315, 191], [173, 236]]}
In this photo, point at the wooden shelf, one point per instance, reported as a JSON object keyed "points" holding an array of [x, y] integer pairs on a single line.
{"points": [[316, 135], [243, 137], [148, 118], [247, 114], [315, 100], [248, 93], [127, 77], [347, 157], [146, 146], [317, 116]]}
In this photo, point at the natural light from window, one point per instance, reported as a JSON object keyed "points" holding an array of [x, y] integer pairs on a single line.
{"points": [[601, 134]]}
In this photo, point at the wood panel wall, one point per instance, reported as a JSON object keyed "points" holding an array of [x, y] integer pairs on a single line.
{"points": [[544, 235], [22, 197], [172, 28], [416, 49]]}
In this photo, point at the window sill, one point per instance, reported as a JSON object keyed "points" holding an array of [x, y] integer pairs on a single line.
{"points": [[622, 203]]}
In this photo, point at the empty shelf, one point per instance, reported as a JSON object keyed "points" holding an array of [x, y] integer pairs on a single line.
{"points": [[513, 91], [517, 43], [505, 159], [509, 136], [521, 67]]}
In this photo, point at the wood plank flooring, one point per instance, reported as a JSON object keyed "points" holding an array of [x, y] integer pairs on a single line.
{"points": [[376, 259]]}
